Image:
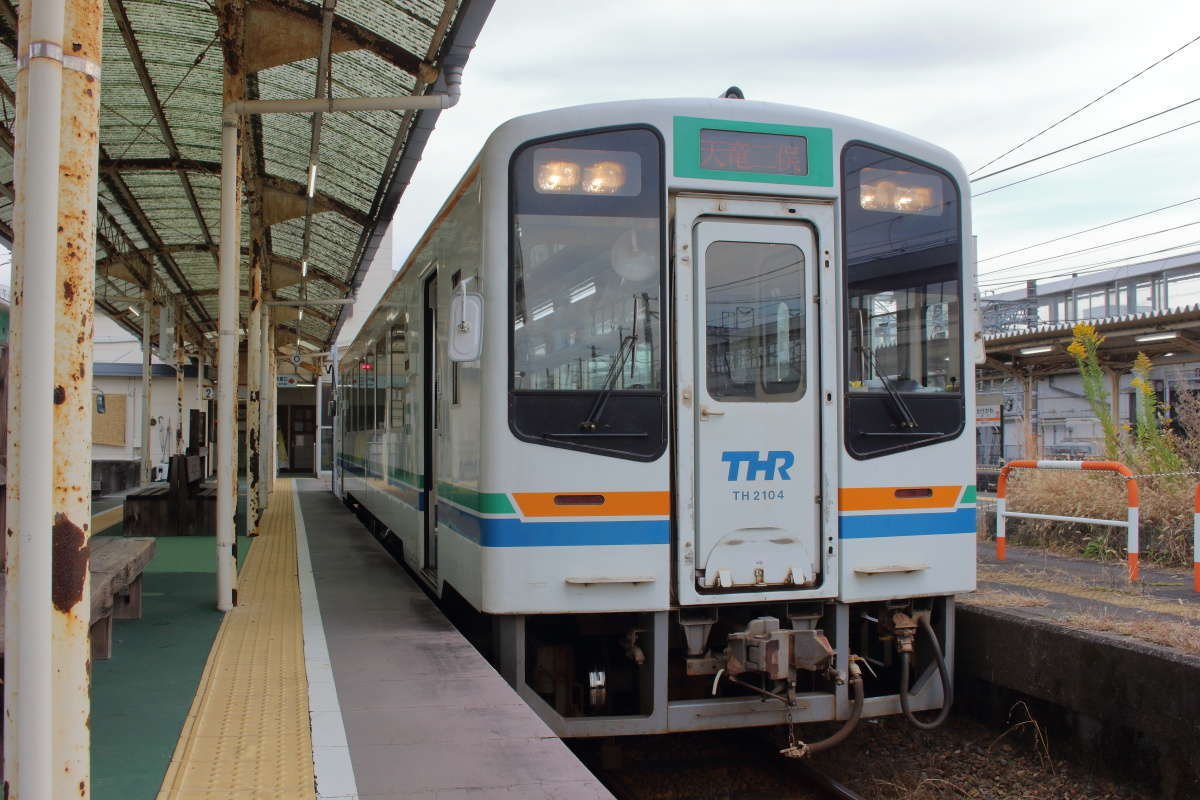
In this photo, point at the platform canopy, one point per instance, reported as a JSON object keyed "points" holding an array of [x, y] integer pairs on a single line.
{"points": [[162, 86], [1167, 336]]}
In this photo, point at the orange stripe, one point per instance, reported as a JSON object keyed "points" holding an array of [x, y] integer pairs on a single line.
{"points": [[885, 498], [616, 504]]}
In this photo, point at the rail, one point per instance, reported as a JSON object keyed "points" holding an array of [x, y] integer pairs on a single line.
{"points": [[1130, 524]]}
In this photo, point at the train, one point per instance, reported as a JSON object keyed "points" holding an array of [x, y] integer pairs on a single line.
{"points": [[673, 394]]}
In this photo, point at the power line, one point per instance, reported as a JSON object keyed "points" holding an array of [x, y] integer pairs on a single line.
{"points": [[1085, 106], [1089, 158], [1084, 269], [1085, 141], [1087, 230], [1093, 247]]}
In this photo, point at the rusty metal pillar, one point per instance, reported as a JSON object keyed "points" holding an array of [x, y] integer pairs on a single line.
{"points": [[232, 31], [74, 321], [147, 385], [254, 459], [180, 359]]}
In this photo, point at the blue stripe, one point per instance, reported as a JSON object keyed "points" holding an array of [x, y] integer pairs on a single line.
{"points": [[874, 526], [514, 532]]}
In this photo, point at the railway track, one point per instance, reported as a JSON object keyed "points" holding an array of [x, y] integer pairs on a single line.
{"points": [[720, 765]]}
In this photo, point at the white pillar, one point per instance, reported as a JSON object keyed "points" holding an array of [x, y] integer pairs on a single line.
{"points": [[266, 398], [29, 727], [147, 385], [227, 374]]}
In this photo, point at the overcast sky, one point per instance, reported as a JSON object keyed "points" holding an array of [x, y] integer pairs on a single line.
{"points": [[973, 77]]}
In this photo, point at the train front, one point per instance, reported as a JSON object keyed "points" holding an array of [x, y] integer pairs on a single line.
{"points": [[731, 442]]}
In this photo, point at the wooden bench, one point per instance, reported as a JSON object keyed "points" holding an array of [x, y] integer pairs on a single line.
{"points": [[116, 566], [183, 507]]}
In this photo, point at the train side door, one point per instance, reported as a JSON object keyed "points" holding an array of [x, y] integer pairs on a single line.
{"points": [[429, 436], [754, 411]]}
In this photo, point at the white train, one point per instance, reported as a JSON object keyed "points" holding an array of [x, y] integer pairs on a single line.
{"points": [[676, 392]]}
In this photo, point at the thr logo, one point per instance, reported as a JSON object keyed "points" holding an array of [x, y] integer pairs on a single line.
{"points": [[759, 468]]}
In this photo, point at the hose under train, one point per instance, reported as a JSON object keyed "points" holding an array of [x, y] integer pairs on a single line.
{"points": [[856, 687], [943, 670]]}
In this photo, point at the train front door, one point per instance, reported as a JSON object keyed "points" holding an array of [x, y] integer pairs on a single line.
{"points": [[753, 409]]}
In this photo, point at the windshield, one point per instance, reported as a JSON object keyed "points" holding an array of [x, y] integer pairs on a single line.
{"points": [[903, 259], [583, 286], [587, 292]]}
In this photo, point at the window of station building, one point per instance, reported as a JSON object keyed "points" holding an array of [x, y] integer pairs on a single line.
{"points": [[1145, 296], [903, 314], [586, 324], [1183, 290], [754, 309], [1090, 304]]}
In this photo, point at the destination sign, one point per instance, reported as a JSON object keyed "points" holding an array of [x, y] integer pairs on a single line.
{"points": [[762, 153]]}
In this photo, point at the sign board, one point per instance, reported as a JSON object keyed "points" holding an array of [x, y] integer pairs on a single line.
{"points": [[209, 393], [988, 413], [286, 381]]}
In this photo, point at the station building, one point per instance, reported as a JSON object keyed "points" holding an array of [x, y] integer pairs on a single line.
{"points": [[1031, 402]]}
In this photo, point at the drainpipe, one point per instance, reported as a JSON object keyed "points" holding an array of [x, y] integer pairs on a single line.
{"points": [[331, 105], [227, 377], [31, 725], [202, 406]]}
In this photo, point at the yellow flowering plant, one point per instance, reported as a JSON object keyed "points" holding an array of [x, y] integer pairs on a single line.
{"points": [[1085, 343]]}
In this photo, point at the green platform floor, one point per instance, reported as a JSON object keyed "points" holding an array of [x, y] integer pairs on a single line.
{"points": [[141, 696]]}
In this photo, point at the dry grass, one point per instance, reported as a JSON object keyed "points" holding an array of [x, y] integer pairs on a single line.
{"points": [[1166, 514], [1179, 635], [998, 598]]}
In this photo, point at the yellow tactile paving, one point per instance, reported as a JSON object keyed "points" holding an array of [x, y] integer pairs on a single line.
{"points": [[247, 735]]}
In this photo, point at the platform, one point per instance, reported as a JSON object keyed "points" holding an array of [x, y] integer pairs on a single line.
{"points": [[1107, 665], [335, 677]]}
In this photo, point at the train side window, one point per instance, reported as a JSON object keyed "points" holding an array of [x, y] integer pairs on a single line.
{"points": [[903, 314]]}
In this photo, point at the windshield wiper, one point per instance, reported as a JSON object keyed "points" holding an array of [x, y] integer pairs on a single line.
{"points": [[908, 423], [628, 344]]}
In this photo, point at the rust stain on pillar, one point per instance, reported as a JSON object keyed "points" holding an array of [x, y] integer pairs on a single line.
{"points": [[74, 319], [70, 564]]}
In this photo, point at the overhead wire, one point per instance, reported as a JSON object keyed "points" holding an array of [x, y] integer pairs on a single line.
{"points": [[1089, 158], [1088, 230], [1086, 105], [1093, 247], [1085, 141], [1084, 269]]}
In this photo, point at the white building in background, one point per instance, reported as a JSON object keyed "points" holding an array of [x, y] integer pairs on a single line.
{"points": [[117, 416]]}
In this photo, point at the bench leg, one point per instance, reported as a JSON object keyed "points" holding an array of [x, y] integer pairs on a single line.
{"points": [[101, 633], [129, 604]]}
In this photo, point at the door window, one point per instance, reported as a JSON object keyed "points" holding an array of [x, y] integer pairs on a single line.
{"points": [[754, 321]]}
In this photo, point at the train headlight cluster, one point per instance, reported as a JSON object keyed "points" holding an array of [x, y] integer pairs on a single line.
{"points": [[596, 172], [899, 192]]}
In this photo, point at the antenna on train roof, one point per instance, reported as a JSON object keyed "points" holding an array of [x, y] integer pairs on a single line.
{"points": [[733, 93]]}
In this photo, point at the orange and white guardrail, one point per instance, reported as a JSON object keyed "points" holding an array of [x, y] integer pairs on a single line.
{"points": [[1130, 524]]}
